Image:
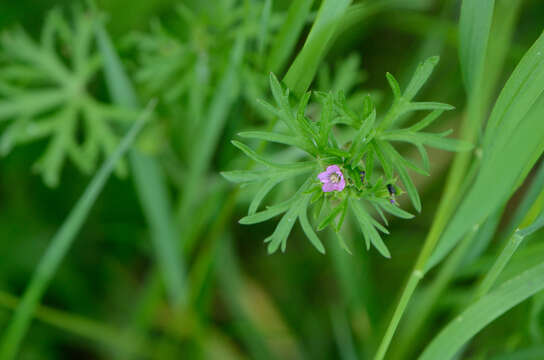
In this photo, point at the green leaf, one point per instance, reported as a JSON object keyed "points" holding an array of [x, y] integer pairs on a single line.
{"points": [[304, 68], [263, 191], [273, 137], [267, 214], [60, 244], [245, 176], [362, 138], [429, 139], [325, 121], [428, 105], [421, 75], [31, 104], [305, 165], [367, 227], [282, 231], [385, 163], [286, 39], [513, 153], [424, 157], [392, 209], [399, 164], [471, 321], [282, 100], [264, 24], [395, 87], [331, 216], [520, 93], [337, 152], [307, 227], [474, 26], [150, 183], [426, 121]]}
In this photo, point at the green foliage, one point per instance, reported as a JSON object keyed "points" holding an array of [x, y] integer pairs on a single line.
{"points": [[304, 67], [508, 154], [60, 244], [161, 269], [45, 92], [369, 139], [484, 311], [474, 26], [148, 177]]}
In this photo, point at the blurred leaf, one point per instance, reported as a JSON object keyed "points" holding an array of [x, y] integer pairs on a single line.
{"points": [[60, 244], [368, 229], [285, 41], [474, 26], [452, 338], [149, 180], [303, 69], [513, 151]]}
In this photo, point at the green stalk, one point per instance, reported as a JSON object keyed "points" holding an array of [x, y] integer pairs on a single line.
{"points": [[448, 203], [472, 53], [509, 248], [427, 301], [60, 244]]}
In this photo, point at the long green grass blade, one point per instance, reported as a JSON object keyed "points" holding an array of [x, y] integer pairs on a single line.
{"points": [[474, 26], [286, 39], [529, 225], [60, 244], [148, 178], [517, 144], [302, 71], [520, 92], [461, 329]]}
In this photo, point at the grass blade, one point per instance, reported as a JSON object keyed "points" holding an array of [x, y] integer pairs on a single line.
{"points": [[149, 179], [60, 244], [460, 330], [287, 37], [304, 68], [525, 86], [474, 26], [514, 150]]}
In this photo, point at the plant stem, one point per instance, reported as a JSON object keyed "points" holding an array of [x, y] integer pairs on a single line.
{"points": [[506, 254], [413, 280], [427, 302], [447, 205], [509, 248]]}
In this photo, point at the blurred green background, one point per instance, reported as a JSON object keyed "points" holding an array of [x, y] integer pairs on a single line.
{"points": [[107, 300]]}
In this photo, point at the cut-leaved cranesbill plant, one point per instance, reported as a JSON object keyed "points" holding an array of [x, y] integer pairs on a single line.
{"points": [[359, 172], [44, 93]]}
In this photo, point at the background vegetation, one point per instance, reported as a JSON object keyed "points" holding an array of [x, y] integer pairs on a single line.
{"points": [[161, 268]]}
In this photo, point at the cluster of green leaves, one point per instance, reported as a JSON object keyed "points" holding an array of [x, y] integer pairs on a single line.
{"points": [[368, 160], [44, 92], [185, 57]]}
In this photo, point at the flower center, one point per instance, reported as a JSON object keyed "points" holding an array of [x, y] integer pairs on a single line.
{"points": [[334, 178]]}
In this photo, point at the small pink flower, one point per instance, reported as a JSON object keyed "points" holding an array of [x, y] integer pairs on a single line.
{"points": [[332, 179]]}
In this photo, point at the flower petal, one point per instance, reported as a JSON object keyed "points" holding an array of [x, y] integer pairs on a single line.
{"points": [[328, 187], [323, 177]]}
